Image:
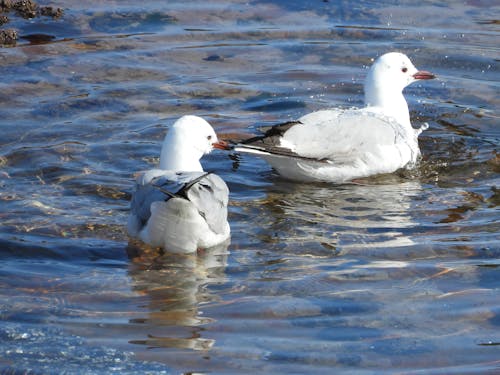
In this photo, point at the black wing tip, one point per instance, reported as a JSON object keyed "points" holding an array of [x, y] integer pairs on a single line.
{"points": [[280, 129], [182, 192], [280, 152], [249, 141], [274, 131]]}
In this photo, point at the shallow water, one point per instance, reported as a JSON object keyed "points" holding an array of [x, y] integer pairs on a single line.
{"points": [[397, 274]]}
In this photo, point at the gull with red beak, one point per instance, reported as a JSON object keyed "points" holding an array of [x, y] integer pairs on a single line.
{"points": [[340, 145], [178, 206]]}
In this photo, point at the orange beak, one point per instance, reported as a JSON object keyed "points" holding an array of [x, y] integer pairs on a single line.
{"points": [[221, 145], [423, 75]]}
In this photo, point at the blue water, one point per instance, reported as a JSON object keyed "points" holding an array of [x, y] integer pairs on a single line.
{"points": [[398, 274]]}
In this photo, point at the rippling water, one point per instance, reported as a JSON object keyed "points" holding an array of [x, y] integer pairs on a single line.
{"points": [[397, 274]]}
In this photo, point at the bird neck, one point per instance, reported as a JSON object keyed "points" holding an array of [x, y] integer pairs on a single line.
{"points": [[175, 157], [391, 103]]}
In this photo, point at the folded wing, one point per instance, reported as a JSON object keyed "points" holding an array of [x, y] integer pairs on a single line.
{"points": [[207, 192]]}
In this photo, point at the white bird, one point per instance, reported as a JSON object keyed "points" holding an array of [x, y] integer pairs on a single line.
{"points": [[178, 206], [341, 145]]}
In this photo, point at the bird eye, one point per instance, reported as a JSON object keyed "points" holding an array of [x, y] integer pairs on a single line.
{"points": [[209, 137], [404, 70]]}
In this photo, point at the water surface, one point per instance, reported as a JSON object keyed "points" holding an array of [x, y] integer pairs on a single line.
{"points": [[397, 274]]}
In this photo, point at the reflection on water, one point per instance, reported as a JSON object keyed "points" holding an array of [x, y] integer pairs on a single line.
{"points": [[345, 216], [397, 273], [177, 287]]}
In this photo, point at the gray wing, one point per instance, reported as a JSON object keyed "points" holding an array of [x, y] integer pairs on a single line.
{"points": [[336, 136], [157, 185], [206, 191], [342, 136], [210, 195]]}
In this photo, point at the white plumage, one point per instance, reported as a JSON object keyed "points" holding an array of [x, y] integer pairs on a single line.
{"points": [[341, 145], [178, 206]]}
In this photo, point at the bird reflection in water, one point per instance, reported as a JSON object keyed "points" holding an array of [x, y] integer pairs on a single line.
{"points": [[341, 218], [175, 288]]}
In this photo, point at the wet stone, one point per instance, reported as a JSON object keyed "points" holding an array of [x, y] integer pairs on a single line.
{"points": [[26, 9], [5, 5], [51, 12], [8, 37]]}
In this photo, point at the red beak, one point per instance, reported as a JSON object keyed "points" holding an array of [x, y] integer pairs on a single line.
{"points": [[221, 145], [423, 75]]}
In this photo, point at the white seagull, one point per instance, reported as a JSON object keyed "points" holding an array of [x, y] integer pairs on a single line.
{"points": [[338, 145], [178, 206]]}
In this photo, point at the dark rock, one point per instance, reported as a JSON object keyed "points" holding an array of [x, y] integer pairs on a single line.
{"points": [[6, 5], [8, 37], [26, 8], [51, 12]]}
